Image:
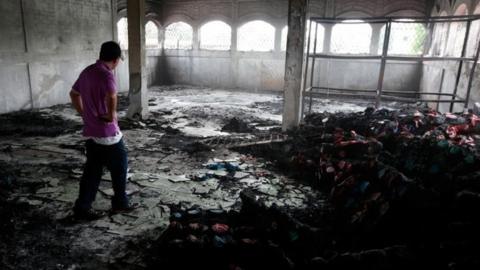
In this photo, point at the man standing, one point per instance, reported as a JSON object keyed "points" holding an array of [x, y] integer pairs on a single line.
{"points": [[94, 96]]}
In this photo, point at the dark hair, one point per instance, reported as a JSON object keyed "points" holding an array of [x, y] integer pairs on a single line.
{"points": [[110, 51]]}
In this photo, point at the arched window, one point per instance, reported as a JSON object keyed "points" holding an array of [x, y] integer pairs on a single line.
{"points": [[405, 39], [178, 35], [122, 30], [474, 36], [215, 35], [256, 36], [456, 34], [320, 37], [351, 37], [151, 34]]}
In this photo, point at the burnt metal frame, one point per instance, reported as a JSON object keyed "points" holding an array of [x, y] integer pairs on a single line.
{"points": [[379, 93]]}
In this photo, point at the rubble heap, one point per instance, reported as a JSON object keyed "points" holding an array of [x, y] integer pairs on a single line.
{"points": [[409, 177]]}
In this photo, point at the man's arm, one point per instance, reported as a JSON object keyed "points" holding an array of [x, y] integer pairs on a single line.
{"points": [[76, 101], [111, 100]]}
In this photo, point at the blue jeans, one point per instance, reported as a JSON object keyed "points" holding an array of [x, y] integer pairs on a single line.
{"points": [[114, 157]]}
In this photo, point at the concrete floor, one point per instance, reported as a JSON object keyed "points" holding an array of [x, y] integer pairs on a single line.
{"points": [[48, 169]]}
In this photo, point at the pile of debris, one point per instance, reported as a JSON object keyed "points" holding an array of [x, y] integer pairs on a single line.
{"points": [[36, 123], [409, 177]]}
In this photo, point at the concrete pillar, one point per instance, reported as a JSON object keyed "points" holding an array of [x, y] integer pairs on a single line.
{"points": [[375, 42], [292, 103], [329, 8], [138, 107], [233, 44], [278, 38], [327, 37], [196, 37]]}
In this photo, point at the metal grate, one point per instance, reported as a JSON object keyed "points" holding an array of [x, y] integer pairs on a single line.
{"points": [[442, 40]]}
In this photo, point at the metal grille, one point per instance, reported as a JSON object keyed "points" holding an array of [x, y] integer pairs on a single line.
{"points": [[178, 35], [452, 42]]}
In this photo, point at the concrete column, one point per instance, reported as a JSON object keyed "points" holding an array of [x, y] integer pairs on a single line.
{"points": [[292, 103], [330, 8], [376, 33], [278, 38], [138, 107], [327, 37], [113, 3], [233, 45], [196, 37]]}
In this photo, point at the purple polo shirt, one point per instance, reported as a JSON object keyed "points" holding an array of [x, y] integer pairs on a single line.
{"points": [[93, 84]]}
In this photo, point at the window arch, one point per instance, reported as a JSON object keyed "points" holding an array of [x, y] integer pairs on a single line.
{"points": [[215, 35], [351, 37], [405, 39], [256, 36], [456, 34], [178, 35], [151, 34], [122, 30]]}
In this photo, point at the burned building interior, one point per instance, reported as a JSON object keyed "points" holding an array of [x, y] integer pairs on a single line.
{"points": [[261, 134]]}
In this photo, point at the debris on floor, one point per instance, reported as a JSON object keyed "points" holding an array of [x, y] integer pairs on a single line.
{"points": [[353, 187]]}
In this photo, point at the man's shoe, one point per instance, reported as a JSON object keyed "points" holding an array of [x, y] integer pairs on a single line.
{"points": [[126, 209], [87, 215]]}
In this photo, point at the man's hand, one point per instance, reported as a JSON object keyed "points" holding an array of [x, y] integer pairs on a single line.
{"points": [[76, 101], [107, 118]]}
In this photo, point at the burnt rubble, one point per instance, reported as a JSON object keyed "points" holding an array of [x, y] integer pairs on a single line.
{"points": [[35, 123], [404, 180], [377, 189]]}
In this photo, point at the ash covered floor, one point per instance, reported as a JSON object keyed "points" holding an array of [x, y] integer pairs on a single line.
{"points": [[220, 186]]}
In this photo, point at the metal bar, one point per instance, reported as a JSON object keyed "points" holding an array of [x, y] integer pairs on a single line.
{"points": [[330, 56], [394, 58], [472, 74], [428, 58], [407, 19], [344, 89], [306, 66], [420, 100], [384, 91], [317, 94], [416, 93], [313, 64], [381, 76], [460, 65]]}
